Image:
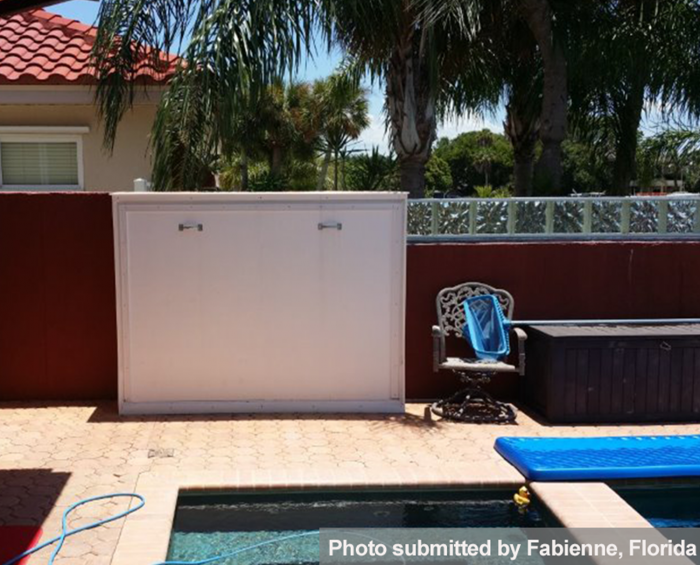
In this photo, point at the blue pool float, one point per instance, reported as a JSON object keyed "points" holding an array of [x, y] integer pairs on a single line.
{"points": [[602, 458]]}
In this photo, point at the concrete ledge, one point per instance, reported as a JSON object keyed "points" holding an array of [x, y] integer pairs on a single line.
{"points": [[588, 505], [146, 534]]}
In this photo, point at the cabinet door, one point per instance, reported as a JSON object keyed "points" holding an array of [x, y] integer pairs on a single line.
{"points": [[212, 313], [361, 286], [261, 304]]}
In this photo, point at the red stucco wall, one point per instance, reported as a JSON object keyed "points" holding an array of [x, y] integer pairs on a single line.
{"points": [[548, 281], [57, 302]]}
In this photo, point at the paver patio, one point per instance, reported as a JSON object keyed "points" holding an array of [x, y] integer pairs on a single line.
{"points": [[53, 456]]}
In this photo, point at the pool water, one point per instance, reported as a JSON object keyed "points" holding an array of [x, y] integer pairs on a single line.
{"points": [[665, 507], [211, 525]]}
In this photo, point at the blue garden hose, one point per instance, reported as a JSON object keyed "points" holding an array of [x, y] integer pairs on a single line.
{"points": [[66, 533]]}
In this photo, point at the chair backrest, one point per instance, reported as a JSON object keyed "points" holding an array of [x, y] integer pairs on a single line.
{"points": [[451, 317]]}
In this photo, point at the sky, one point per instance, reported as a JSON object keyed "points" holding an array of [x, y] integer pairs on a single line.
{"points": [[86, 12]]}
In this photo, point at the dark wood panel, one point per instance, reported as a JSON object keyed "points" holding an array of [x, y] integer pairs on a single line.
{"points": [[606, 382], [687, 382], [674, 404], [597, 379], [593, 393], [640, 392]]}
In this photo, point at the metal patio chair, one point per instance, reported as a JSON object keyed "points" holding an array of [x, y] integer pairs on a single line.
{"points": [[472, 403]]}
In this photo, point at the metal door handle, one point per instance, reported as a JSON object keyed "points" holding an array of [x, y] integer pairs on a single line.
{"points": [[330, 226], [185, 227]]}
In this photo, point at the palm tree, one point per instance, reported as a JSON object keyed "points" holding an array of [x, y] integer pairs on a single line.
{"points": [[521, 69], [342, 114], [285, 117], [539, 16], [431, 55], [652, 48], [675, 152], [372, 171]]}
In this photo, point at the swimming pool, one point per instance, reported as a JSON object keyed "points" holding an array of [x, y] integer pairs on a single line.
{"points": [[208, 525], [669, 506]]}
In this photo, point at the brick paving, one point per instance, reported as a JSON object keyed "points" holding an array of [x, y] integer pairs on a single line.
{"points": [[53, 456]]}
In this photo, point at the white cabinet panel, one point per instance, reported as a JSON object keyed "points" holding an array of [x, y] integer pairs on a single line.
{"points": [[260, 309]]}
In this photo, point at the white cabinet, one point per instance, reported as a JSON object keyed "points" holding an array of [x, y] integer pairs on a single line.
{"points": [[249, 302]]}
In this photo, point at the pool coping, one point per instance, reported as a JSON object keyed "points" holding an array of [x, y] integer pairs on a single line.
{"points": [[588, 505], [145, 536]]}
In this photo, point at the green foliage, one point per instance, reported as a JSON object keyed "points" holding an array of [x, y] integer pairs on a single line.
{"points": [[476, 158], [586, 167], [301, 176], [341, 113], [438, 176], [458, 56], [487, 191], [371, 171], [630, 55], [671, 154]]}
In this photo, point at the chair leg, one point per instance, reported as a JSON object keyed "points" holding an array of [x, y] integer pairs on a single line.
{"points": [[475, 405]]}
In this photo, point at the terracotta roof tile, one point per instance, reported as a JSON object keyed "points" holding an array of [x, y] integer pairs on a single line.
{"points": [[38, 47]]}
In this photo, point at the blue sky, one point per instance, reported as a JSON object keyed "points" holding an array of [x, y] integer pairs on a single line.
{"points": [[86, 11]]}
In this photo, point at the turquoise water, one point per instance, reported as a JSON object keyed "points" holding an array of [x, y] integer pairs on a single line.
{"points": [[211, 525], [670, 506]]}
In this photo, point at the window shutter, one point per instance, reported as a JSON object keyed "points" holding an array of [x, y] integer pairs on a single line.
{"points": [[39, 163]]}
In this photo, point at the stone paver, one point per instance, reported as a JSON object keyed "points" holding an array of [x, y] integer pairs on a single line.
{"points": [[53, 456]]}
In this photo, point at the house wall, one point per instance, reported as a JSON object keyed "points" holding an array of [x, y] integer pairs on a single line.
{"points": [[58, 325], [102, 172]]}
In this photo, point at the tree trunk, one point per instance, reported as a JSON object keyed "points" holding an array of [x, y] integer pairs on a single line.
{"points": [[553, 120], [629, 116], [522, 130], [276, 160], [413, 178], [335, 171], [343, 184], [411, 108], [244, 170], [324, 171], [523, 172]]}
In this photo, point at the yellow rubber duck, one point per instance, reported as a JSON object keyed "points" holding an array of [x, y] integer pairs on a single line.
{"points": [[522, 497]]}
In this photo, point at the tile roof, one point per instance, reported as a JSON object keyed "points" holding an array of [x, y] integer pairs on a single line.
{"points": [[38, 47]]}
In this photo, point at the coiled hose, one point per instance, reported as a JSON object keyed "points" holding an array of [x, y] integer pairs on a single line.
{"points": [[66, 533]]}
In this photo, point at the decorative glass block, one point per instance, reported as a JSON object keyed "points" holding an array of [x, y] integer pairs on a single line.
{"points": [[568, 217], [492, 217], [644, 216], [531, 217], [453, 217], [606, 216], [681, 216], [419, 218]]}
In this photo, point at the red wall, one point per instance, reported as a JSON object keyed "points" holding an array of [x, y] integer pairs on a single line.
{"points": [[57, 303], [548, 281], [58, 336]]}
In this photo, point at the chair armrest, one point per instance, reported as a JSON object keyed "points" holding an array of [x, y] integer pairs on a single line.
{"points": [[522, 336], [438, 348]]}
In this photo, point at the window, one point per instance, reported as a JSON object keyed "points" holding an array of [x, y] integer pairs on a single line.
{"points": [[40, 162]]}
